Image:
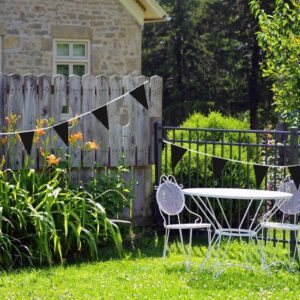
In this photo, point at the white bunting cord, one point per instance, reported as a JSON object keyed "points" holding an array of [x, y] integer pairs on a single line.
{"points": [[228, 159], [74, 118]]}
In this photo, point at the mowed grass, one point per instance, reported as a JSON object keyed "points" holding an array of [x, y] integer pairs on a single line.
{"points": [[141, 275]]}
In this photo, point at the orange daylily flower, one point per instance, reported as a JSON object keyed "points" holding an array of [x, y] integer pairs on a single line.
{"points": [[40, 132], [91, 145], [75, 137], [52, 160]]}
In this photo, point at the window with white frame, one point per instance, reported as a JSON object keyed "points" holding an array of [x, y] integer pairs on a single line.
{"points": [[71, 57]]}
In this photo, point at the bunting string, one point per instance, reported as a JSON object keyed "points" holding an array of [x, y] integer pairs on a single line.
{"points": [[138, 93], [229, 159]]}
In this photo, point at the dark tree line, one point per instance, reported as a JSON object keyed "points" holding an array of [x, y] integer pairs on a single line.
{"points": [[210, 60]]}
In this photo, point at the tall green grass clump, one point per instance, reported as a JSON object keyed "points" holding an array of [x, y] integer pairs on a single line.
{"points": [[44, 221]]}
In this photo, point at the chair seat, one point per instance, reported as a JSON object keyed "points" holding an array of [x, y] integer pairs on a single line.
{"points": [[188, 226], [283, 226]]}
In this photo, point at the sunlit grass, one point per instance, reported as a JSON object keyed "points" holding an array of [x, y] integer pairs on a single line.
{"points": [[141, 275]]}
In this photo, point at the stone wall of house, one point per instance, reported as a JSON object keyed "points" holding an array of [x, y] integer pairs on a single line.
{"points": [[28, 28]]}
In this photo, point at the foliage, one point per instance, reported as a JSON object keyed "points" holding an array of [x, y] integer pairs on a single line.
{"points": [[112, 190], [207, 55], [43, 221], [44, 218], [198, 167], [141, 275], [279, 38]]}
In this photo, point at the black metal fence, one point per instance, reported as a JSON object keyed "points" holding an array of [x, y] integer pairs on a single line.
{"points": [[241, 148]]}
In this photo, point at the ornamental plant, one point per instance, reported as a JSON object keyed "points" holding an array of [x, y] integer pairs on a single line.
{"points": [[44, 217], [279, 39]]}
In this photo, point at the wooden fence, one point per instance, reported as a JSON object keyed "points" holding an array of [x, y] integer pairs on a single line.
{"points": [[131, 132]]}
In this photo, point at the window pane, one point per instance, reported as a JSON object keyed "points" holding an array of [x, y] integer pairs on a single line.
{"points": [[79, 50], [63, 49], [63, 70], [79, 70]]}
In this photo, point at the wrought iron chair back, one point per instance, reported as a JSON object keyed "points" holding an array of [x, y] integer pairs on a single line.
{"points": [[292, 205], [169, 196]]}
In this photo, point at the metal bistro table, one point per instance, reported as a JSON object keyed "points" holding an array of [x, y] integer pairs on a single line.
{"points": [[247, 225]]}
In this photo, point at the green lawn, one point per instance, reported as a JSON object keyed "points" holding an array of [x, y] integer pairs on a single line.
{"points": [[141, 275]]}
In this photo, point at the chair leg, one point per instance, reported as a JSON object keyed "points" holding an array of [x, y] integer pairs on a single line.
{"points": [[209, 238], [216, 264], [182, 244], [296, 257], [190, 249], [166, 244]]}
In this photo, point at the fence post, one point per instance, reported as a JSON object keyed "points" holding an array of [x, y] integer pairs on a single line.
{"points": [[294, 161], [158, 151], [158, 166]]}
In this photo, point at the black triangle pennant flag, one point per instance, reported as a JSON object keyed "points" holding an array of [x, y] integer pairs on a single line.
{"points": [[63, 131], [260, 173], [27, 138], [140, 95], [177, 153], [218, 166], [295, 173], [101, 114]]}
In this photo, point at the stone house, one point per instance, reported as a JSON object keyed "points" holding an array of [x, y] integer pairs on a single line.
{"points": [[74, 36]]}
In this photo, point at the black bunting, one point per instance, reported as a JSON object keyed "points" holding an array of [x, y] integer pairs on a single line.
{"points": [[218, 166], [63, 131], [177, 153], [27, 138], [101, 114], [260, 173], [140, 95], [295, 174]]}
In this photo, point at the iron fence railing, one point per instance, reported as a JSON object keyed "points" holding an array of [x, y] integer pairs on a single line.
{"points": [[242, 149]]}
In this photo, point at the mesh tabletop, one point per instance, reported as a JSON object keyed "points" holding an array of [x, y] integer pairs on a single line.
{"points": [[231, 193]]}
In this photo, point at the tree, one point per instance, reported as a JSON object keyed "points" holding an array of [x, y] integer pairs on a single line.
{"points": [[209, 58], [279, 38]]}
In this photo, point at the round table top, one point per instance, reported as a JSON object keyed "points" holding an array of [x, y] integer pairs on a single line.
{"points": [[232, 193]]}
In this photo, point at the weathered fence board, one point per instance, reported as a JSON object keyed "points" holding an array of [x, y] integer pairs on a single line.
{"points": [[75, 105], [128, 134], [89, 122], [15, 107], [114, 114], [44, 112], [30, 107], [129, 138], [102, 97], [59, 99], [142, 131], [3, 111], [155, 110]]}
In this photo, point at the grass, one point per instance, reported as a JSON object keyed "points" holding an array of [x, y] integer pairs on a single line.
{"points": [[141, 275]]}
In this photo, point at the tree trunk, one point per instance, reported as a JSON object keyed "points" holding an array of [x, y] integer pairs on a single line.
{"points": [[253, 92]]}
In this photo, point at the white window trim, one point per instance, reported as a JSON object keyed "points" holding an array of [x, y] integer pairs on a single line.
{"points": [[72, 60]]}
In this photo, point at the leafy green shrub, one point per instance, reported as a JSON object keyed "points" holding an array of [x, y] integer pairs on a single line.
{"points": [[43, 220], [112, 190], [193, 164]]}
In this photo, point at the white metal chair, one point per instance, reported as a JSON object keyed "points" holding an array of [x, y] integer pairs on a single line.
{"points": [[171, 202], [290, 209]]}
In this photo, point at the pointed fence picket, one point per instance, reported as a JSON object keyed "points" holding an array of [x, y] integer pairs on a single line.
{"points": [[129, 139]]}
